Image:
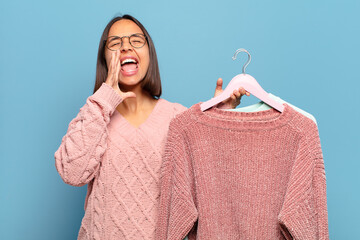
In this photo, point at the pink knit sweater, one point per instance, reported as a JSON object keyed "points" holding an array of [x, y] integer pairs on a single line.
{"points": [[120, 164], [235, 175]]}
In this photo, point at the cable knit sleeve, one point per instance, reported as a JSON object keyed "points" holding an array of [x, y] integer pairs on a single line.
{"points": [[79, 156], [304, 212], [177, 210]]}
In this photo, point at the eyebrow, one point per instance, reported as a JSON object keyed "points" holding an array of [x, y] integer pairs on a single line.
{"points": [[138, 34], [111, 38], [114, 36]]}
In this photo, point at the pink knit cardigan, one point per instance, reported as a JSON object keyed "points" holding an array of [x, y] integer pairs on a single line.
{"points": [[235, 175]]}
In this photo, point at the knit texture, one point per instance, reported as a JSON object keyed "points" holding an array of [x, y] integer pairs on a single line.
{"points": [[242, 175], [119, 162]]}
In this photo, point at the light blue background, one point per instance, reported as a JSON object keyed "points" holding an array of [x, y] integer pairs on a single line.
{"points": [[306, 52]]}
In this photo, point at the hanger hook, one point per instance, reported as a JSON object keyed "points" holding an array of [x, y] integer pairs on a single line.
{"points": [[248, 61]]}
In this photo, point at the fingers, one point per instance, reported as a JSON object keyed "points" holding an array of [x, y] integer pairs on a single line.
{"points": [[246, 93], [234, 99], [111, 67], [218, 89], [128, 95], [240, 92], [117, 67], [219, 84], [243, 92], [236, 95], [114, 69]]}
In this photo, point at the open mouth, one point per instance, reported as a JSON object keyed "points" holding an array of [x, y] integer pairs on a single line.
{"points": [[129, 65]]}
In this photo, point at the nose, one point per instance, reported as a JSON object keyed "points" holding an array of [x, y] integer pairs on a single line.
{"points": [[125, 44]]}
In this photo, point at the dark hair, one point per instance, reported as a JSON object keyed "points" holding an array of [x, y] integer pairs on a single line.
{"points": [[151, 82]]}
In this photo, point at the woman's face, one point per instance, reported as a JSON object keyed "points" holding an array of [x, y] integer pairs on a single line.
{"points": [[134, 61]]}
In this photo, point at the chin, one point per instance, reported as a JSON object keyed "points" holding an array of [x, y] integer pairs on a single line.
{"points": [[129, 83]]}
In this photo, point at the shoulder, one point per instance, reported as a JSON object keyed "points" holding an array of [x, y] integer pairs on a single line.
{"points": [[186, 119], [303, 124], [294, 107], [303, 112], [172, 108]]}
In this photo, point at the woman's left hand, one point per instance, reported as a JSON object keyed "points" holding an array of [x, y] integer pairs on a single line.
{"points": [[234, 99]]}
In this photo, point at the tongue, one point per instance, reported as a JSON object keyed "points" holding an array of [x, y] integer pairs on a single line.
{"points": [[129, 67]]}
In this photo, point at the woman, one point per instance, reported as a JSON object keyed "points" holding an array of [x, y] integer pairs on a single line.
{"points": [[116, 141]]}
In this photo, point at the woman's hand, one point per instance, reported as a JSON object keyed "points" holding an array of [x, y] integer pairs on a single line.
{"points": [[113, 76], [234, 99]]}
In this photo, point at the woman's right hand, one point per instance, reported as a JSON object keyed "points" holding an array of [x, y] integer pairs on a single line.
{"points": [[113, 76]]}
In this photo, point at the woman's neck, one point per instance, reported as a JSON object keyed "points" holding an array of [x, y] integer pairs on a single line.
{"points": [[142, 102]]}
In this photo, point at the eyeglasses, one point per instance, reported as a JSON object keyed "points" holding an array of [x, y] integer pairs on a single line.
{"points": [[136, 40]]}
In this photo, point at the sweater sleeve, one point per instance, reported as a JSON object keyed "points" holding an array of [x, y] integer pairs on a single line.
{"points": [[304, 212], [177, 210], [79, 156]]}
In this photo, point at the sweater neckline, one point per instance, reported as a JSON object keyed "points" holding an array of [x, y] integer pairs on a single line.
{"points": [[123, 126], [266, 119]]}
